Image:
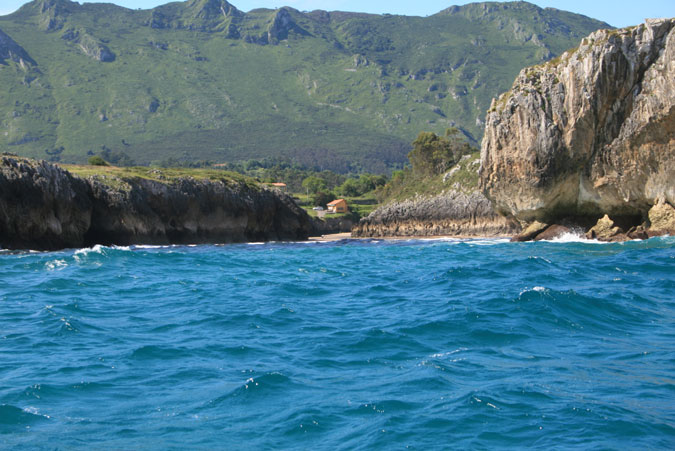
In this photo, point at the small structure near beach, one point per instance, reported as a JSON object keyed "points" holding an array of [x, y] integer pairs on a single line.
{"points": [[338, 206], [279, 186]]}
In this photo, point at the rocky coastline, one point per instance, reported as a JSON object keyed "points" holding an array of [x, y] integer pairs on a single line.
{"points": [[582, 144], [452, 213], [586, 140], [44, 207]]}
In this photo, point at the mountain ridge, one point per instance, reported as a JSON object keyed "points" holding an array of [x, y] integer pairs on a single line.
{"points": [[202, 80]]}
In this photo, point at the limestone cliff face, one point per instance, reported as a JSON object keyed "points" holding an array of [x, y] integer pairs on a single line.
{"points": [[44, 207], [588, 134], [41, 206], [451, 213]]}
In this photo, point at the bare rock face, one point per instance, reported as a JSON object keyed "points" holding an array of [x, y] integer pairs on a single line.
{"points": [[530, 232], [53, 13], [41, 205], [662, 219], [589, 133], [91, 47], [451, 213], [552, 232], [45, 207], [604, 230]]}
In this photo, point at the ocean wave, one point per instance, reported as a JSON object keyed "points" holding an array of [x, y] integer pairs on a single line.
{"points": [[219, 345], [14, 416], [488, 241], [151, 352], [152, 246], [56, 265], [100, 249], [272, 383]]}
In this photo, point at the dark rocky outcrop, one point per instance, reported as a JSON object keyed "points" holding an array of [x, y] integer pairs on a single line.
{"points": [[95, 49], [53, 13], [588, 134], [282, 25], [552, 232], [452, 213], [327, 226], [42, 206], [530, 232], [10, 50], [45, 207]]}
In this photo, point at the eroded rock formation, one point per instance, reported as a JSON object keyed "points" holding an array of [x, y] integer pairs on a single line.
{"points": [[587, 134], [451, 213], [43, 206]]}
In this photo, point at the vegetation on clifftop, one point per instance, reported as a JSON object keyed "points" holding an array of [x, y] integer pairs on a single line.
{"points": [[111, 175], [437, 163]]}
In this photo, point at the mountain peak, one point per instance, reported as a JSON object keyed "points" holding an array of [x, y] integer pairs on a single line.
{"points": [[207, 9], [56, 7], [204, 15], [52, 13]]}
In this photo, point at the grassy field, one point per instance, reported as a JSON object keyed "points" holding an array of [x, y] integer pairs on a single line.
{"points": [[112, 173]]}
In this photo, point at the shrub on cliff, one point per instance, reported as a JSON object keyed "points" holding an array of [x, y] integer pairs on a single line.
{"points": [[97, 161], [430, 159], [433, 154]]}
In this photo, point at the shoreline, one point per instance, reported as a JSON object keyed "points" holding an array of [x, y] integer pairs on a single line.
{"points": [[334, 237], [331, 237]]}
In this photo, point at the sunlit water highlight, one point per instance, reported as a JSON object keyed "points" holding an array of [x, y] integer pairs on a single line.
{"points": [[349, 345]]}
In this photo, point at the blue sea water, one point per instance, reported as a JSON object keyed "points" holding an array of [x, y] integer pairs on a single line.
{"points": [[439, 344]]}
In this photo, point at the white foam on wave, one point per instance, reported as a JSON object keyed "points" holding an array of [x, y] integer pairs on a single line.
{"points": [[572, 237], [100, 249], [151, 246], [34, 411], [445, 354], [56, 265], [536, 289], [489, 241], [443, 240]]}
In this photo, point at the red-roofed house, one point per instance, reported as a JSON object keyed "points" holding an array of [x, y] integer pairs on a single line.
{"points": [[338, 206]]}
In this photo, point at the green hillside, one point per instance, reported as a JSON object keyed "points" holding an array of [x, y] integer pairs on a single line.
{"points": [[201, 80]]}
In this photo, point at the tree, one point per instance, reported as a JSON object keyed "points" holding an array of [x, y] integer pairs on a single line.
{"points": [[321, 198], [314, 184], [350, 188], [433, 154]]}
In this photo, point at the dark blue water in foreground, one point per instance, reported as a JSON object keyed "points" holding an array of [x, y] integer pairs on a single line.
{"points": [[348, 345]]}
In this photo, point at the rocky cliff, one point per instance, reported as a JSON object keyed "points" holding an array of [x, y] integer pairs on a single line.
{"points": [[43, 206], [589, 133], [10, 50], [450, 213]]}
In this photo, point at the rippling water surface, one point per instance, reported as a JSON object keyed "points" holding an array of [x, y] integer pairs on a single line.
{"points": [[347, 345]]}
